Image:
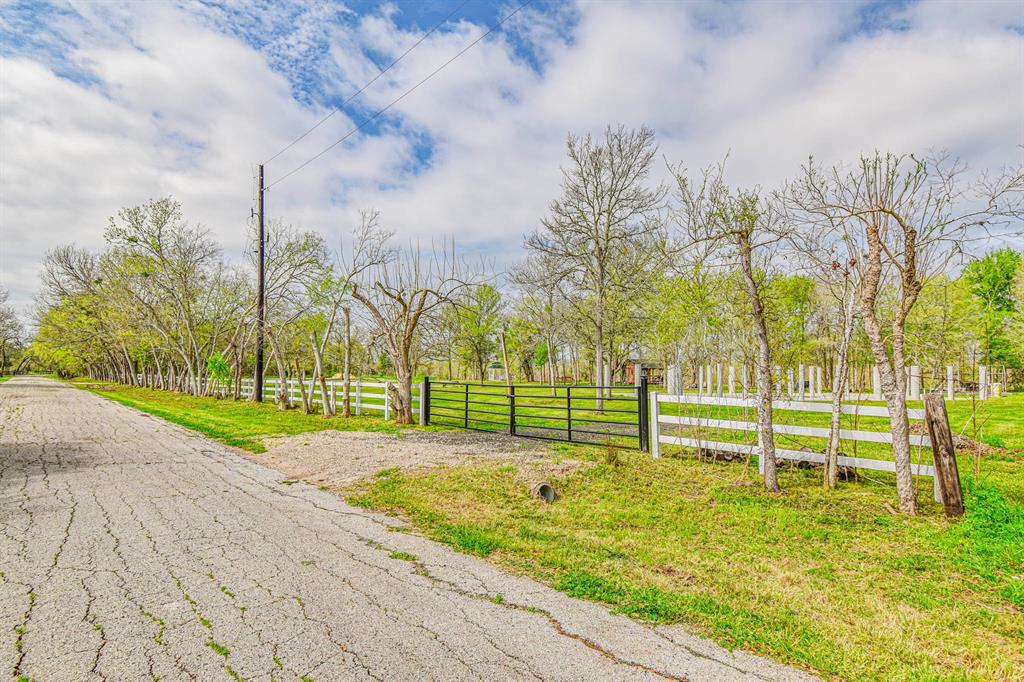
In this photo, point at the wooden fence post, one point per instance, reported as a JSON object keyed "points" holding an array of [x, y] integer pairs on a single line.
{"points": [[424, 399], [944, 455], [655, 426]]}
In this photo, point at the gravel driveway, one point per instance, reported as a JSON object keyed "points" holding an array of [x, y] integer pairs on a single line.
{"points": [[132, 549]]}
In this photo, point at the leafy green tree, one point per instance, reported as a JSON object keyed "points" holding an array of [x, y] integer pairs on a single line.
{"points": [[991, 280], [479, 319]]}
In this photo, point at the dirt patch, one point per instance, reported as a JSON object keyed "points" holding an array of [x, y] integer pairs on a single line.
{"points": [[964, 445], [337, 459]]}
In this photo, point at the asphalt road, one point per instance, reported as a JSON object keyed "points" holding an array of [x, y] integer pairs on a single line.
{"points": [[133, 549]]}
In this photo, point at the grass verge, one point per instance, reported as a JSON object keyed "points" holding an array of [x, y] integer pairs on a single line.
{"points": [[830, 581], [241, 424]]}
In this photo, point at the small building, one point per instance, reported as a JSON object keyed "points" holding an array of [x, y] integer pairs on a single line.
{"points": [[637, 368], [496, 372]]}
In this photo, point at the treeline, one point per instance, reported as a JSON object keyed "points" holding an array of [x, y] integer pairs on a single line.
{"points": [[843, 267]]}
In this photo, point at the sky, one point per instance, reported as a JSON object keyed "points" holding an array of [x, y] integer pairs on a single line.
{"points": [[105, 105]]}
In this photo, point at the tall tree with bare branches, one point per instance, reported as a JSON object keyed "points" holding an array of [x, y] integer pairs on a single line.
{"points": [[743, 228], [605, 231], [906, 218], [398, 288]]}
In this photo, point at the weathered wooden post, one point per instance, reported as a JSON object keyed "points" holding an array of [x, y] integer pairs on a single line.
{"points": [[915, 382], [950, 392], [359, 396], [789, 381], [718, 379], [387, 400], [800, 382], [944, 455]]}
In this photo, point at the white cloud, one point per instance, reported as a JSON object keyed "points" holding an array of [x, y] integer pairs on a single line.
{"points": [[180, 107]]}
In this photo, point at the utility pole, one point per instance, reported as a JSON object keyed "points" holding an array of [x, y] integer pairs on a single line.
{"points": [[260, 298]]}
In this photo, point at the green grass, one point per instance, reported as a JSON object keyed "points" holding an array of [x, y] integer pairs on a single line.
{"points": [[4, 378], [830, 581], [241, 424]]}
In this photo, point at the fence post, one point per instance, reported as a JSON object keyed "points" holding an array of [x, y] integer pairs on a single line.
{"points": [[512, 410], [568, 411], [655, 432], [944, 456], [334, 398], [465, 406], [642, 414], [387, 401], [950, 393], [425, 401], [359, 396]]}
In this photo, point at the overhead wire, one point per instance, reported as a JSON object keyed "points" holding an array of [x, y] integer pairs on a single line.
{"points": [[395, 101], [368, 83]]}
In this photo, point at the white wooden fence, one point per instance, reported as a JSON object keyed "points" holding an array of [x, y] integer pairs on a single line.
{"points": [[364, 395], [658, 419]]}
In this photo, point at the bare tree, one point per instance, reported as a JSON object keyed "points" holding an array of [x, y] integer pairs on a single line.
{"points": [[11, 331], [606, 230], [398, 287], [540, 299], [742, 226], [906, 218], [297, 266], [819, 241]]}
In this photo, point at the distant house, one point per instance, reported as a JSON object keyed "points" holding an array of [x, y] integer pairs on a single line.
{"points": [[652, 369]]}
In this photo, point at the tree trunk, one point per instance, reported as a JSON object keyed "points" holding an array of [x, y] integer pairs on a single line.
{"points": [[838, 391], [346, 396], [892, 373], [403, 395], [318, 369], [300, 374], [551, 365], [764, 369], [282, 396]]}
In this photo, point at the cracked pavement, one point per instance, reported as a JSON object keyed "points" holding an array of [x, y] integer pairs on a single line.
{"points": [[133, 549]]}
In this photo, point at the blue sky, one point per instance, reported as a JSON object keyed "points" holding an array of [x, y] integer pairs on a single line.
{"points": [[109, 104]]}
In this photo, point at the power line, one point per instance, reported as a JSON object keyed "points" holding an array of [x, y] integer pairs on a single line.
{"points": [[368, 84], [397, 99]]}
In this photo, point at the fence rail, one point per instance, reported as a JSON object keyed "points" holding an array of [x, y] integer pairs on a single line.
{"points": [[364, 395], [657, 438]]}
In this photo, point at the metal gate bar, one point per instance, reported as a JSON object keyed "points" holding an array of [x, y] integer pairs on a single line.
{"points": [[452, 403]]}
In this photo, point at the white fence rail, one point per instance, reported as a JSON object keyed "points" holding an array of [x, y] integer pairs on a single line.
{"points": [[364, 395], [658, 438]]}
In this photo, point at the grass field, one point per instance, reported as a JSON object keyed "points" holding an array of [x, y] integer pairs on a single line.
{"points": [[240, 424], [833, 582], [830, 581]]}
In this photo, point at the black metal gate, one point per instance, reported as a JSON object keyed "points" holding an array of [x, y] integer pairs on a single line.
{"points": [[608, 415]]}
